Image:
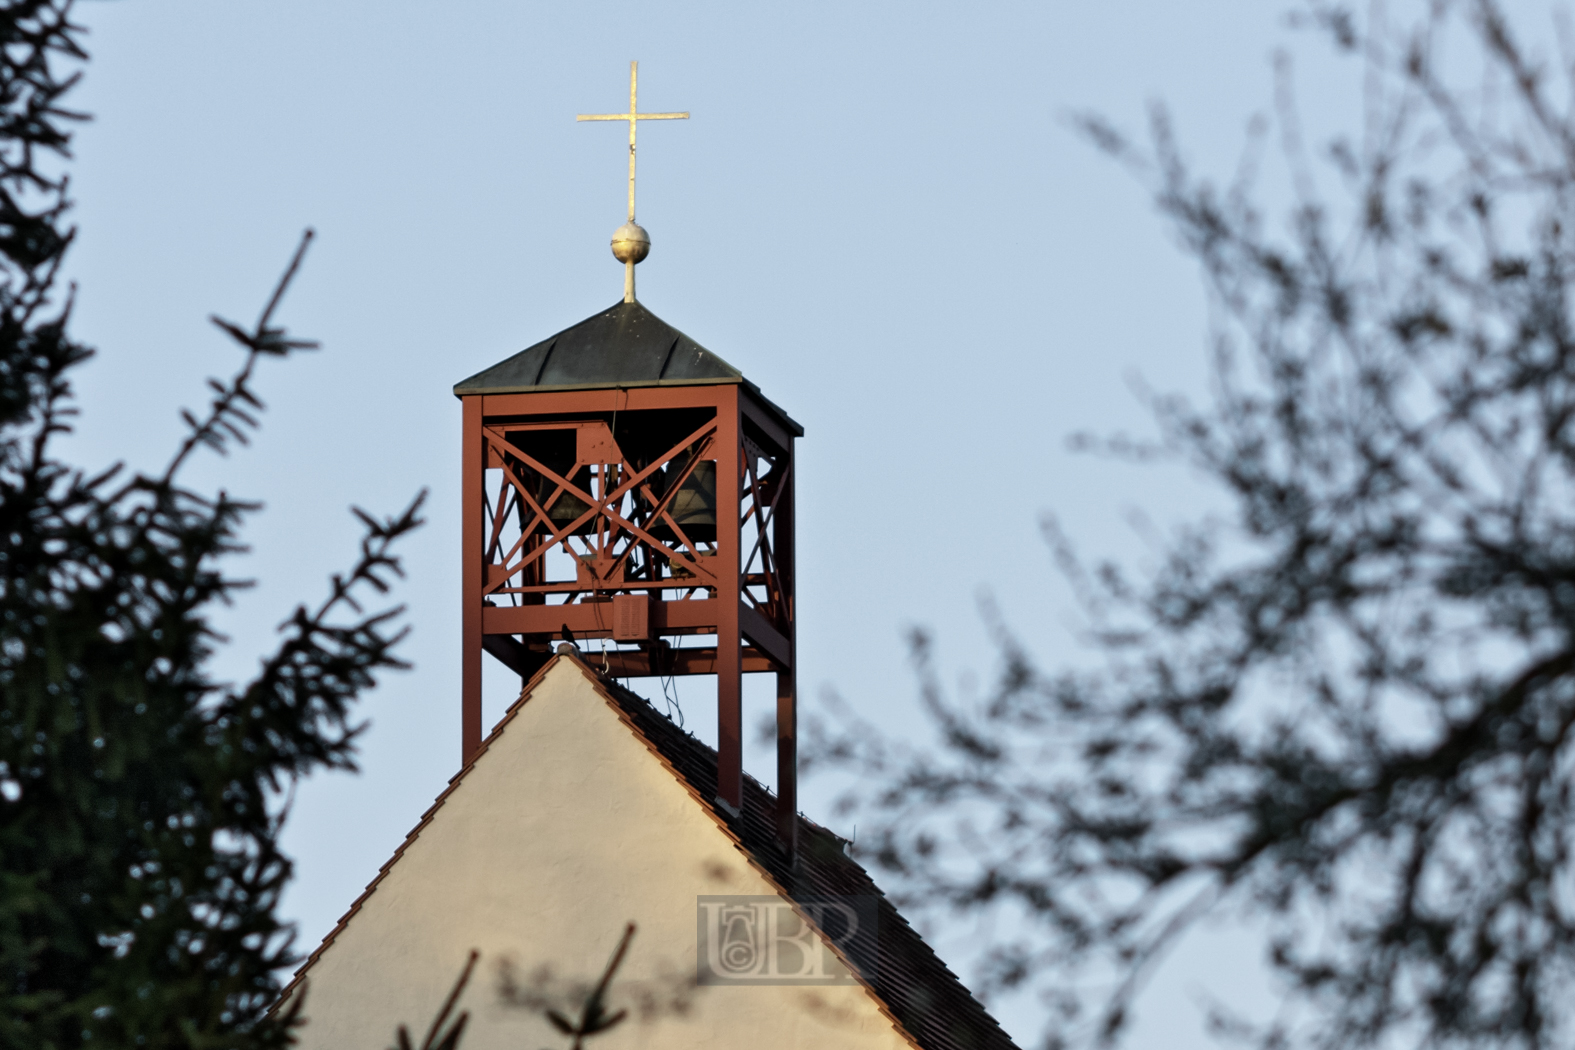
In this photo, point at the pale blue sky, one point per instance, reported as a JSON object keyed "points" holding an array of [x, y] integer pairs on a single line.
{"points": [[878, 212]]}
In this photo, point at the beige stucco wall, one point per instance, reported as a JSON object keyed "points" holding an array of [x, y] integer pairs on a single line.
{"points": [[565, 829]]}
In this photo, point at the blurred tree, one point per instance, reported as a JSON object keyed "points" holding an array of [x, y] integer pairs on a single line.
{"points": [[139, 798], [1344, 711]]}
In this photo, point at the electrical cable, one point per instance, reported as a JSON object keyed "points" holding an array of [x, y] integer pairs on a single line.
{"points": [[672, 700]]}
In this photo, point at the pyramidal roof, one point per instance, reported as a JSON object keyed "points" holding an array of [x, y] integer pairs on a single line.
{"points": [[472, 873], [624, 346]]}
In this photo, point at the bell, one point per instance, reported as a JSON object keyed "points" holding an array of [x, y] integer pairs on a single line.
{"points": [[557, 450], [694, 505], [568, 506]]}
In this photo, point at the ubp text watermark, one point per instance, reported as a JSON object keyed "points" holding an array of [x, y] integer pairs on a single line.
{"points": [[769, 940]]}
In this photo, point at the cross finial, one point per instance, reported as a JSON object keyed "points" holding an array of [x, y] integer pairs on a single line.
{"points": [[630, 244]]}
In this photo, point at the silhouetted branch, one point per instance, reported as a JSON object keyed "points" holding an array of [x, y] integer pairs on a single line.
{"points": [[230, 412], [438, 1037]]}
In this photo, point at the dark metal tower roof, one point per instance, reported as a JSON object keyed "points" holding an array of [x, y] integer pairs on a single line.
{"points": [[624, 346]]}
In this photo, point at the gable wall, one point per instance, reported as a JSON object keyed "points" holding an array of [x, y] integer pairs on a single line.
{"points": [[567, 827]]}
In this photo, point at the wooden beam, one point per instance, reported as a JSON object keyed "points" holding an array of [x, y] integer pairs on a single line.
{"points": [[767, 638], [594, 619], [472, 570], [634, 663]]}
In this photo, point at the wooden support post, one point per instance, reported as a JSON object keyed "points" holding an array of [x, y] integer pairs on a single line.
{"points": [[472, 574], [782, 531], [729, 668], [787, 761]]}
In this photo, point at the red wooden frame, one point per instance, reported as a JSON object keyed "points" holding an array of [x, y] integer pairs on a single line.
{"points": [[738, 587]]}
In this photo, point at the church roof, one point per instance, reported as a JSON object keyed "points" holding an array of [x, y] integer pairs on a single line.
{"points": [[918, 989], [914, 987]]}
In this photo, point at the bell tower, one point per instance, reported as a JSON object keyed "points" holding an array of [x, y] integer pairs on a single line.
{"points": [[622, 482]]}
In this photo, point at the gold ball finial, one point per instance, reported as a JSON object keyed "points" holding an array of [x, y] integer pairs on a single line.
{"points": [[630, 243]]}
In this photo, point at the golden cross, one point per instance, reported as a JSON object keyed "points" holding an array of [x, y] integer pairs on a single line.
{"points": [[632, 116]]}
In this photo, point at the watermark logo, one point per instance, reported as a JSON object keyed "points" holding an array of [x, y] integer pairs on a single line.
{"points": [[766, 940]]}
